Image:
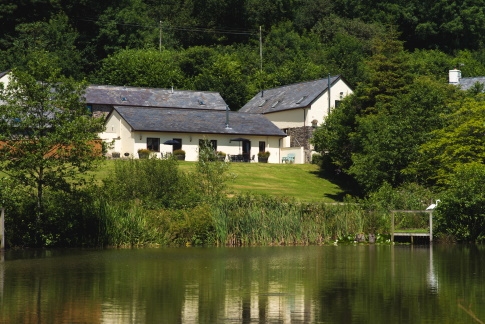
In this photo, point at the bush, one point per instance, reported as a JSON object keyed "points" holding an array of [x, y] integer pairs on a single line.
{"points": [[461, 213], [264, 154], [154, 183], [179, 152]]}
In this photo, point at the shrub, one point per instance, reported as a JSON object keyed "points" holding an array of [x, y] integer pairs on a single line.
{"points": [[264, 154], [179, 152], [461, 213]]}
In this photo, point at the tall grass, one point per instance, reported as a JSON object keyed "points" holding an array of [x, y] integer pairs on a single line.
{"points": [[255, 220]]}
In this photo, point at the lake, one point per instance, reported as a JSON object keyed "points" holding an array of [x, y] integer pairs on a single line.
{"points": [[311, 284]]}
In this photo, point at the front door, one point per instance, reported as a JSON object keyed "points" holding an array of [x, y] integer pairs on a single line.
{"points": [[246, 150]]}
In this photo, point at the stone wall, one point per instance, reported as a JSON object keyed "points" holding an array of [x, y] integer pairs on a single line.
{"points": [[300, 136], [101, 110]]}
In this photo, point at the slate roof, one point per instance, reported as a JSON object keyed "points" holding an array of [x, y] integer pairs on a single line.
{"points": [[288, 97], [467, 83], [153, 97], [196, 121], [4, 73]]}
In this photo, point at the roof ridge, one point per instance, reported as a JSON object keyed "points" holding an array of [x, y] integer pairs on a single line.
{"points": [[147, 88], [303, 82]]}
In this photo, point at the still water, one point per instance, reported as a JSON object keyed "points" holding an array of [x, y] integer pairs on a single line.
{"points": [[316, 284]]}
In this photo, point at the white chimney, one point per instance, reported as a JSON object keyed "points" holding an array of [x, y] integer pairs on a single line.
{"points": [[454, 76]]}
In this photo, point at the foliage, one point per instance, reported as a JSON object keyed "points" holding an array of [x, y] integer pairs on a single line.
{"points": [[264, 154], [459, 141], [48, 138], [153, 183], [254, 220], [390, 140], [141, 68], [461, 213], [409, 196], [210, 173], [179, 152], [189, 227], [55, 36]]}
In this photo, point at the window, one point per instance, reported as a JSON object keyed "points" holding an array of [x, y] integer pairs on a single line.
{"points": [[337, 103], [275, 104], [179, 145], [262, 146], [153, 144], [89, 108]]}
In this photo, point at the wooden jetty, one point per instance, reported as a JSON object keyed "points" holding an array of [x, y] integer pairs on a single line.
{"points": [[412, 235]]}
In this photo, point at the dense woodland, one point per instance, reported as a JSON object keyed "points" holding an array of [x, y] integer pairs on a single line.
{"points": [[214, 44], [405, 129]]}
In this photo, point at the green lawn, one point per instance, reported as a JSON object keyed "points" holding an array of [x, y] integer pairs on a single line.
{"points": [[301, 181]]}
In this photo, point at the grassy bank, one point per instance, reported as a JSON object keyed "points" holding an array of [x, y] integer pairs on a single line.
{"points": [[166, 202], [299, 181]]}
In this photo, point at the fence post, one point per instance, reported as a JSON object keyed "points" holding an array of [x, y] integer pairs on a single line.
{"points": [[392, 226], [2, 228]]}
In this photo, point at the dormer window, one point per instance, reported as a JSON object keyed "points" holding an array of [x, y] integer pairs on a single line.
{"points": [[201, 102], [275, 104], [261, 104], [124, 99]]}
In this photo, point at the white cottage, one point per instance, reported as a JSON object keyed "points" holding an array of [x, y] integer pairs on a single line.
{"points": [[239, 135], [146, 118], [297, 109]]}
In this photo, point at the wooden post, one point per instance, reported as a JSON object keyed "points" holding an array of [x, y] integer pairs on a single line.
{"points": [[2, 228], [431, 227], [392, 226]]}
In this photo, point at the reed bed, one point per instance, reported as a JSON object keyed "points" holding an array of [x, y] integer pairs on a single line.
{"points": [[263, 220]]}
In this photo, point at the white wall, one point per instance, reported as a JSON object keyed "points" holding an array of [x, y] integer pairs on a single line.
{"points": [[318, 111], [125, 141], [287, 118], [5, 79]]}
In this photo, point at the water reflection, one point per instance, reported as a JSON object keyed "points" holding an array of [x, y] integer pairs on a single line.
{"points": [[2, 273], [331, 284], [432, 277]]}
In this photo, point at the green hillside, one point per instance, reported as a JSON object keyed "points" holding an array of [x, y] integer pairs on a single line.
{"points": [[299, 181]]}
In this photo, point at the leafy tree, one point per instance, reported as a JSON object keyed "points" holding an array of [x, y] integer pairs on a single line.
{"points": [[55, 36], [389, 140], [154, 183], [211, 173], [461, 214], [126, 25], [459, 141], [225, 76], [48, 139], [433, 63], [334, 136], [141, 68], [347, 132]]}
